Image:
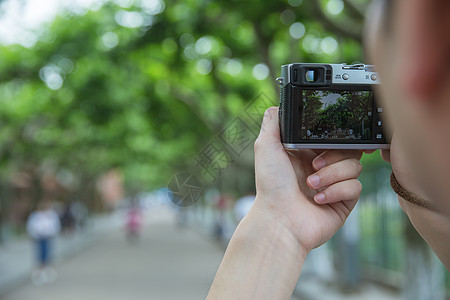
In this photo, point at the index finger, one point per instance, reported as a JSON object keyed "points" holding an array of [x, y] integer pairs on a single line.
{"points": [[333, 156]]}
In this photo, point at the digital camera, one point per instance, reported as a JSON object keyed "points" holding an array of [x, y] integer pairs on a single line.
{"points": [[330, 106]]}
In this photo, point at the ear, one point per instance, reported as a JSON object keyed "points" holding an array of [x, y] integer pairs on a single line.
{"points": [[422, 28]]}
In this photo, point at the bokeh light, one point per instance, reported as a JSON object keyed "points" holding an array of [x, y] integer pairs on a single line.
{"points": [[335, 7], [260, 71], [297, 30]]}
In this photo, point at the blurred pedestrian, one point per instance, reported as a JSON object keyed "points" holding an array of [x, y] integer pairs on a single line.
{"points": [[221, 208], [80, 214], [67, 219], [43, 226], [134, 223]]}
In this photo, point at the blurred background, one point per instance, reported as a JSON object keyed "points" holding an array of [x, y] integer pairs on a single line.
{"points": [[126, 149]]}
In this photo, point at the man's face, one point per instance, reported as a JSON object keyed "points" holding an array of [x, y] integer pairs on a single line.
{"points": [[409, 42]]}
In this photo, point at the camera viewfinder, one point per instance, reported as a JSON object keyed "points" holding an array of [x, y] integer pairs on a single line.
{"points": [[311, 75]]}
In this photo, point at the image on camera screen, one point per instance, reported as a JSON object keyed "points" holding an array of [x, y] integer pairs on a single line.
{"points": [[336, 115]]}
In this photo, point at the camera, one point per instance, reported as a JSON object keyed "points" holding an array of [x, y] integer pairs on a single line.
{"points": [[330, 106]]}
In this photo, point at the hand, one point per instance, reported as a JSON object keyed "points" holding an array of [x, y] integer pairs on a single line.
{"points": [[302, 199], [311, 192]]}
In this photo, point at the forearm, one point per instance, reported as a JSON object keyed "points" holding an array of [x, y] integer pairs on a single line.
{"points": [[263, 261], [434, 227]]}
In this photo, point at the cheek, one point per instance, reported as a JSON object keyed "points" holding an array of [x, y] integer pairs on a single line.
{"points": [[424, 130], [436, 122], [426, 135]]}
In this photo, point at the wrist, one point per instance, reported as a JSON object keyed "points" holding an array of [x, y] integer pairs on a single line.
{"points": [[262, 261], [271, 231], [269, 253]]}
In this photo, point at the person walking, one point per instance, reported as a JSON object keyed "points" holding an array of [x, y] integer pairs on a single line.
{"points": [[43, 225]]}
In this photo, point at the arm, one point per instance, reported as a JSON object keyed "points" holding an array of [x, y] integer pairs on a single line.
{"points": [[262, 261], [267, 250]]}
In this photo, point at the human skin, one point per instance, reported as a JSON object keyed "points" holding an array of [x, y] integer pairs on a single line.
{"points": [[267, 251], [412, 55], [265, 255]]}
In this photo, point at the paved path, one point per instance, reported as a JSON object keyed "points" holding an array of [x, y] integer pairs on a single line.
{"points": [[166, 263], [17, 256]]}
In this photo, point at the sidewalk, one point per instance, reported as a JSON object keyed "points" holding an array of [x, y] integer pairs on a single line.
{"points": [[166, 263], [17, 257]]}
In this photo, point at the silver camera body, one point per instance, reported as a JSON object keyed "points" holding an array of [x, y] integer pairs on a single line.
{"points": [[330, 106]]}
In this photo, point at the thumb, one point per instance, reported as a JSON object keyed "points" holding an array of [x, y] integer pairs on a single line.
{"points": [[270, 129], [271, 160]]}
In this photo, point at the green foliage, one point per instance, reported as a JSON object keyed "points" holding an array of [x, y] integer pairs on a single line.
{"points": [[92, 94], [347, 115]]}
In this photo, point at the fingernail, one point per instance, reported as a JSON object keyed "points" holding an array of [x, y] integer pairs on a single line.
{"points": [[320, 198], [319, 163], [314, 180]]}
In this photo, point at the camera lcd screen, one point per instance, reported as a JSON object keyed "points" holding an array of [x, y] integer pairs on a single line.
{"points": [[336, 115]]}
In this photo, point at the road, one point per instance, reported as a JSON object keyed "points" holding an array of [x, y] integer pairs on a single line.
{"points": [[166, 263]]}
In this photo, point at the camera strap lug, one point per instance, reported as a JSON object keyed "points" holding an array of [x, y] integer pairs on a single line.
{"points": [[353, 67]]}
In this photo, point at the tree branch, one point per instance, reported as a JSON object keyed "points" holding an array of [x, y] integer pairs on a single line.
{"points": [[355, 9], [190, 103], [340, 29]]}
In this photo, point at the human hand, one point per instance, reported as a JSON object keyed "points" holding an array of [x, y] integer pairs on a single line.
{"points": [[286, 221], [310, 192]]}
